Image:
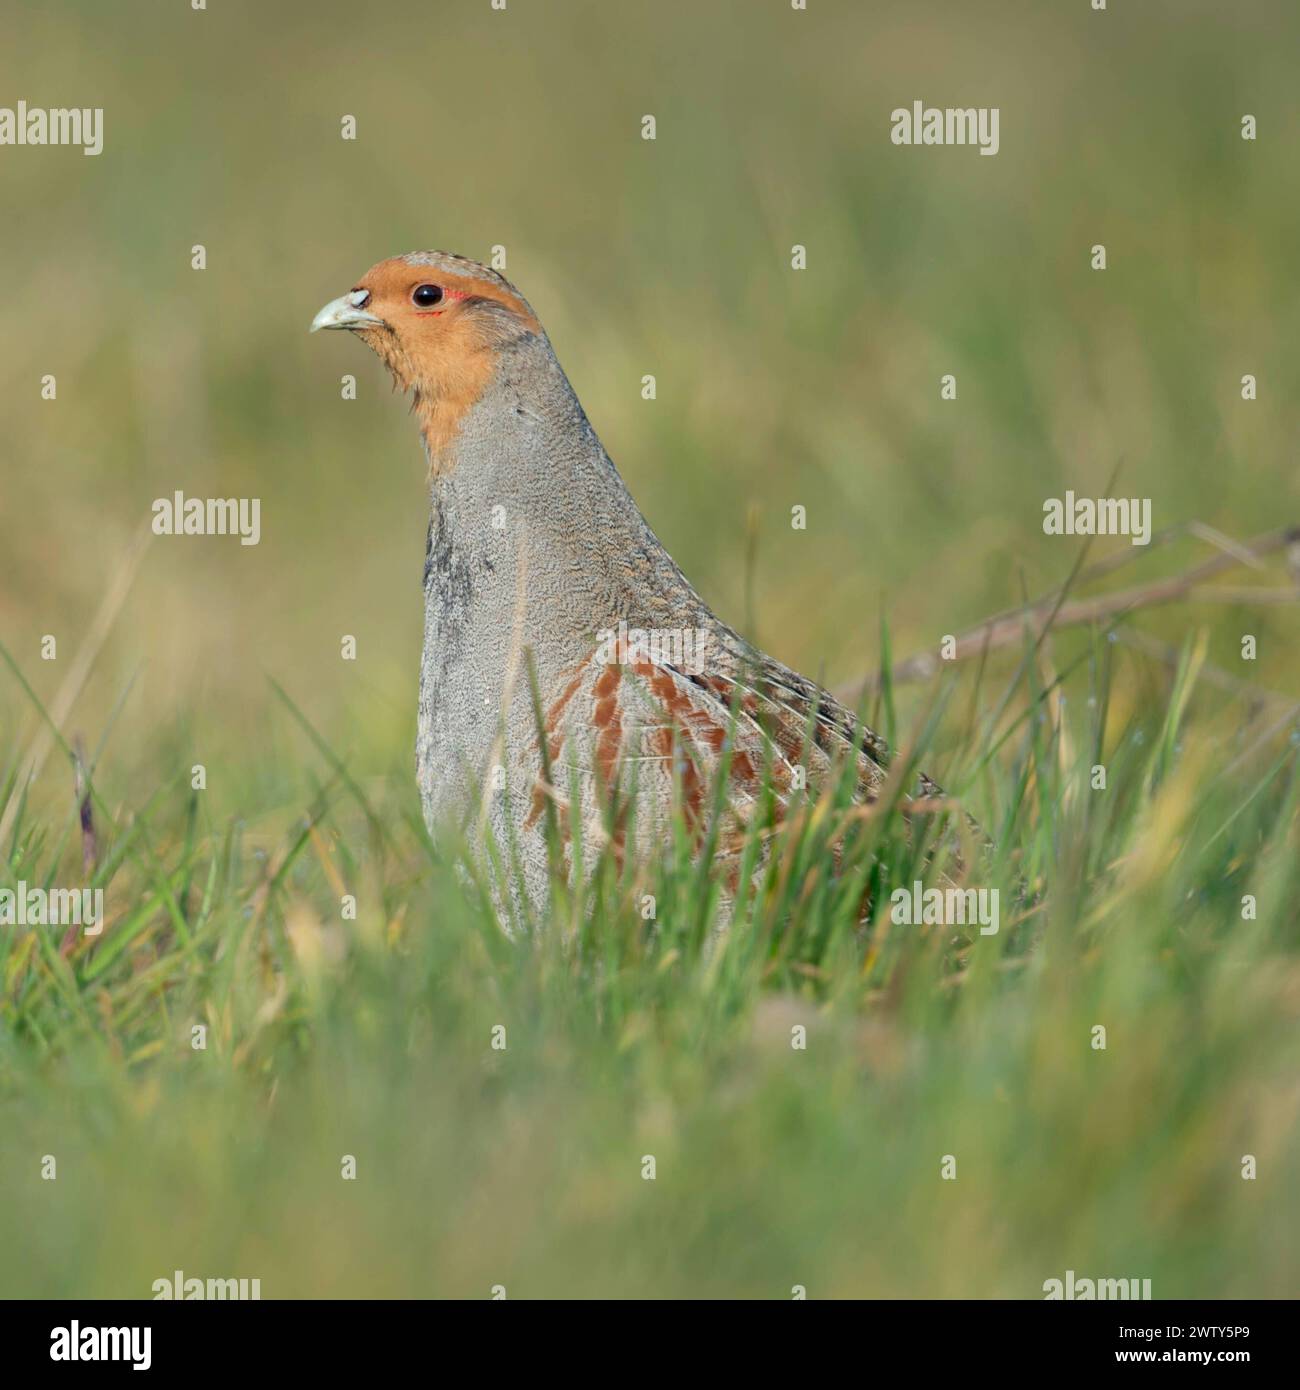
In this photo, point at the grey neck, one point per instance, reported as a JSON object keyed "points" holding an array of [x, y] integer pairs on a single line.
{"points": [[528, 481]]}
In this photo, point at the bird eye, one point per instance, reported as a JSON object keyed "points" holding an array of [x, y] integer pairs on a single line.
{"points": [[426, 295]]}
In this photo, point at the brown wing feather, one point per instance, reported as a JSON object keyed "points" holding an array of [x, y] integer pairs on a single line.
{"points": [[669, 731]]}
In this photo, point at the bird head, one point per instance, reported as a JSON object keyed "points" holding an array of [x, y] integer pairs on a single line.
{"points": [[439, 323]]}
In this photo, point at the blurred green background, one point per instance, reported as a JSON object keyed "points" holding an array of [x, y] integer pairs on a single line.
{"points": [[776, 388]]}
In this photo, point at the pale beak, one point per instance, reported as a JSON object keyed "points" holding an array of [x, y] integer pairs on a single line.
{"points": [[346, 312]]}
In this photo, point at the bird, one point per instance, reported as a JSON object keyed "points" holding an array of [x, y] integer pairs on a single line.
{"points": [[569, 669]]}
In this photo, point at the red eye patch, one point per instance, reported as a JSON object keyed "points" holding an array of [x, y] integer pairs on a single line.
{"points": [[446, 294]]}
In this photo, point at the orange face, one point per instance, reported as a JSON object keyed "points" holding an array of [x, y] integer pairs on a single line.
{"points": [[438, 323]]}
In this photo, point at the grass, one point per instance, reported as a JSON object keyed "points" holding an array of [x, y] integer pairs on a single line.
{"points": [[776, 1164]]}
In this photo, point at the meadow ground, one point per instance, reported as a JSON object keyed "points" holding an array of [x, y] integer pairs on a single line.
{"points": [[775, 1166]]}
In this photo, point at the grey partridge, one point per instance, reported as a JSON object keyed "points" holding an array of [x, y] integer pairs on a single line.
{"points": [[537, 554]]}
